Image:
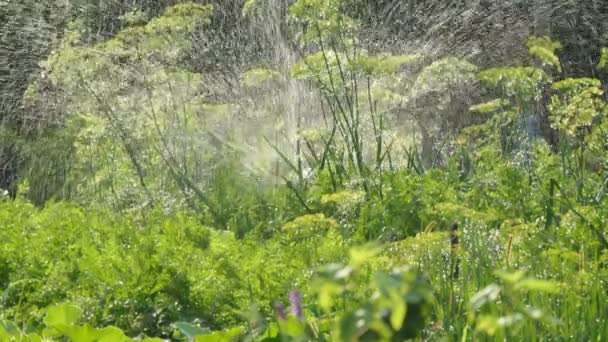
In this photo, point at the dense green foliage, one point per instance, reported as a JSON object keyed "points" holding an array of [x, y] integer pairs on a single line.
{"points": [[163, 176], [144, 272]]}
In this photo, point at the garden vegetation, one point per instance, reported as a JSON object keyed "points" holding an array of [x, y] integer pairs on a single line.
{"points": [[269, 170]]}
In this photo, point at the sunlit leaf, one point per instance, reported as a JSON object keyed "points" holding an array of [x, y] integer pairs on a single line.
{"points": [[220, 336], [190, 330], [328, 292], [294, 327], [532, 284], [62, 315], [398, 313], [511, 277], [87, 333], [487, 324], [361, 255]]}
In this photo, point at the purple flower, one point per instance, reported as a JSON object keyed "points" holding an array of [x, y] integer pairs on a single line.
{"points": [[280, 310], [295, 298]]}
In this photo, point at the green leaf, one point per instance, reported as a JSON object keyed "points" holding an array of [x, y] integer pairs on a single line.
{"points": [[361, 255], [10, 328], [220, 336], [388, 284], [293, 327], [63, 315], [271, 332], [399, 310], [487, 324], [190, 330], [510, 277], [327, 292], [353, 322], [87, 333], [540, 285], [34, 337]]}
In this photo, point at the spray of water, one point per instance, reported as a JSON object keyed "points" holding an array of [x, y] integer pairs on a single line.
{"points": [[254, 121]]}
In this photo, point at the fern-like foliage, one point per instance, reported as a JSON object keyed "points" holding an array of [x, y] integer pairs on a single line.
{"points": [[490, 106], [544, 49], [381, 65], [444, 73], [325, 19], [577, 102], [523, 83]]}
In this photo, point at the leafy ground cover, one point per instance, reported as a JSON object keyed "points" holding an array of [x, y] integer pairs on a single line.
{"points": [[529, 263]]}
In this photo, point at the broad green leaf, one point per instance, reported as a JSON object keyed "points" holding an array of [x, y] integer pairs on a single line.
{"points": [[10, 328], [87, 333], [35, 337], [388, 285], [63, 315], [220, 336], [293, 327], [353, 322], [190, 330], [399, 310], [271, 332]]}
